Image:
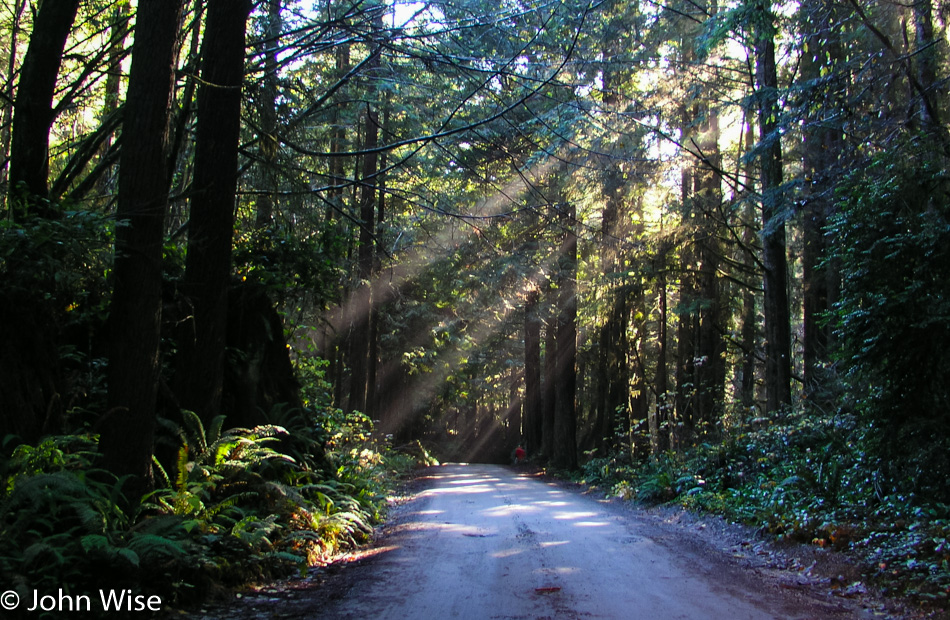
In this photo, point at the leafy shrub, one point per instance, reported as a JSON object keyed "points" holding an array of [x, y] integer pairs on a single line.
{"points": [[64, 259], [234, 507], [892, 243], [807, 477]]}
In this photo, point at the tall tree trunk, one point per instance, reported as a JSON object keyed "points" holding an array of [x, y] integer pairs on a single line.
{"points": [[711, 344], [532, 373], [616, 377], [749, 330], [33, 109], [208, 262], [549, 387], [821, 148], [6, 118], [119, 31], [335, 338], [778, 343], [268, 114], [372, 374], [565, 415], [135, 314], [360, 343], [747, 378], [659, 419], [611, 384], [687, 315]]}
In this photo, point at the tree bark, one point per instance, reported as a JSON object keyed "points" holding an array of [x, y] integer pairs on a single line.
{"points": [[711, 345], [685, 373], [532, 373], [615, 368], [268, 115], [360, 343], [565, 414], [820, 151], [135, 315], [6, 118], [778, 344], [548, 388], [659, 420], [208, 262]]}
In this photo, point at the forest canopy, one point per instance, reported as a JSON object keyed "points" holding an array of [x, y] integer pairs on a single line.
{"points": [[683, 247]]}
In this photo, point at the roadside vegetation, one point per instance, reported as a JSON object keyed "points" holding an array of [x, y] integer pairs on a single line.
{"points": [[235, 507], [809, 478], [696, 249], [226, 505]]}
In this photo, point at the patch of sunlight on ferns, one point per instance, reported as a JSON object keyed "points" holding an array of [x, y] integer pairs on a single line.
{"points": [[231, 505]]}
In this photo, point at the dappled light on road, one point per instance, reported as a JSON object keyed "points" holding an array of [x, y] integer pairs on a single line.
{"points": [[484, 542]]}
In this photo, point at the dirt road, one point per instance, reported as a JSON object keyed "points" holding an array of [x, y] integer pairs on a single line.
{"points": [[484, 542]]}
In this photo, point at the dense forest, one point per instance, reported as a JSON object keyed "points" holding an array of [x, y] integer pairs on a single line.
{"points": [[258, 255]]}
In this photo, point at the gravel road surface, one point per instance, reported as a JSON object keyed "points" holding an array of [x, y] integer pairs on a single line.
{"points": [[490, 542], [483, 541]]}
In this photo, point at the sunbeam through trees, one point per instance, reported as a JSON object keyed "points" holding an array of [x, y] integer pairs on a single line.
{"points": [[258, 255]]}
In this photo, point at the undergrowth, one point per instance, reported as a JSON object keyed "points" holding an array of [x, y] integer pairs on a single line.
{"points": [[228, 506], [807, 479], [236, 506]]}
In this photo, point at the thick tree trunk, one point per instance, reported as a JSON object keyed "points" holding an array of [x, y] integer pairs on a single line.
{"points": [[711, 344], [612, 380], [366, 255], [532, 374], [616, 369], [685, 373], [207, 278], [778, 343], [33, 109], [749, 331], [820, 151], [659, 419], [6, 118], [565, 414], [267, 107], [135, 315], [548, 388]]}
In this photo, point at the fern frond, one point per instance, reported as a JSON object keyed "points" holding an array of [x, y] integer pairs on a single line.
{"points": [[167, 482], [216, 425], [195, 430], [91, 519], [181, 468], [150, 546]]}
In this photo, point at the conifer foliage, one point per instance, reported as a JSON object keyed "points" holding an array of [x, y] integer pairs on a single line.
{"points": [[249, 247]]}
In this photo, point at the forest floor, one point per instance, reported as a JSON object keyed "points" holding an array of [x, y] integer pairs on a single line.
{"points": [[482, 541]]}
